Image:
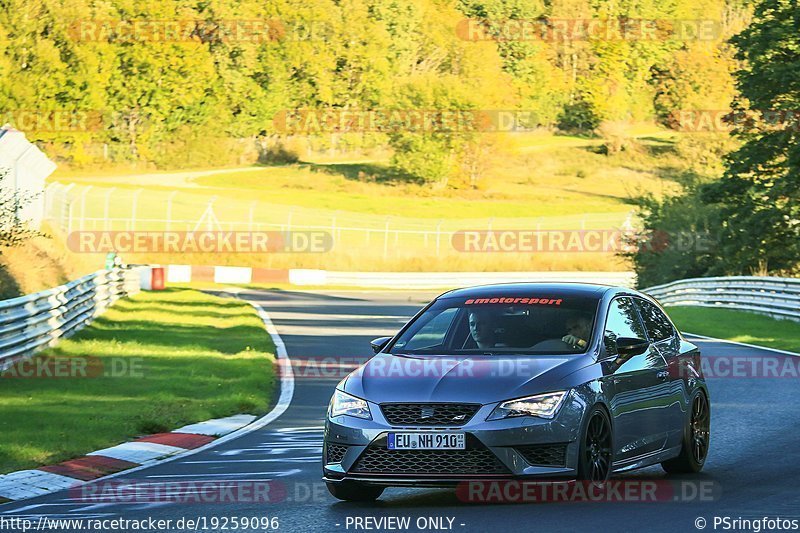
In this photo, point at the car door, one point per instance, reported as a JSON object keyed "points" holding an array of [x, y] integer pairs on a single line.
{"points": [[639, 386], [664, 337]]}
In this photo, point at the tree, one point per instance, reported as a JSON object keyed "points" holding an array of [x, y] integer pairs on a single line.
{"points": [[13, 231], [757, 197], [676, 240], [162, 98]]}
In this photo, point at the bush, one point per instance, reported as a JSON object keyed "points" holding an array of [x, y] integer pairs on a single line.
{"points": [[678, 239], [189, 148], [278, 152], [578, 117], [427, 158]]}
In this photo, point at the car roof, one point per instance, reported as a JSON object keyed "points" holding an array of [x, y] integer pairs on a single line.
{"points": [[563, 289]]}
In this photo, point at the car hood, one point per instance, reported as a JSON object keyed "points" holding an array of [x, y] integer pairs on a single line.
{"points": [[474, 379]]}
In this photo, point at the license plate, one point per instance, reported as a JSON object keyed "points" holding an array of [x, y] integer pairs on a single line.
{"points": [[426, 441]]}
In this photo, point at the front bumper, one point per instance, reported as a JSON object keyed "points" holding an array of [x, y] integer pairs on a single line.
{"points": [[509, 442]]}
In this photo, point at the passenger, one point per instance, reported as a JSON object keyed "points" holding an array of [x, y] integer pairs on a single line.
{"points": [[578, 331]]}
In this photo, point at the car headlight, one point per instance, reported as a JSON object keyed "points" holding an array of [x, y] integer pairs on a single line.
{"points": [[541, 405], [345, 404]]}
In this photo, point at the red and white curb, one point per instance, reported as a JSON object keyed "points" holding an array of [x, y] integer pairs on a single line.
{"points": [[374, 280], [146, 450], [153, 449]]}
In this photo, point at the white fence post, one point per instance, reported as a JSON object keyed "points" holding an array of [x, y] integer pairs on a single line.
{"points": [[386, 238], [251, 216], [84, 192], [438, 237], [169, 208], [133, 208], [107, 225]]}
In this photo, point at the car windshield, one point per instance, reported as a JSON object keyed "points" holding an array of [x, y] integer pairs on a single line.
{"points": [[524, 324]]}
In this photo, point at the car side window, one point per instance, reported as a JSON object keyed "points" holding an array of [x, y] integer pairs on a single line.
{"points": [[433, 333], [622, 321], [658, 325]]}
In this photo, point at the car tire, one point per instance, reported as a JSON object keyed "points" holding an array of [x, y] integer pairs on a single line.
{"points": [[596, 451], [696, 437], [351, 491]]}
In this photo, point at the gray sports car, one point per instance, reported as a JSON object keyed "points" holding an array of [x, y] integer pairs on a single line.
{"points": [[519, 381]]}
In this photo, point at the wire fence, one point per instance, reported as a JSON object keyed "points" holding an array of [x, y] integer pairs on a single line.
{"points": [[90, 208]]}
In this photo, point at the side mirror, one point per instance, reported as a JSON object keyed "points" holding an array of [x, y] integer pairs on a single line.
{"points": [[627, 347], [379, 343]]}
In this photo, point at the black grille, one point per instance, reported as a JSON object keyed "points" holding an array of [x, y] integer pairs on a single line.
{"points": [[336, 452], [544, 454], [475, 460], [429, 414]]}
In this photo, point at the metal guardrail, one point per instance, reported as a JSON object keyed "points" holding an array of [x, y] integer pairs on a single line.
{"points": [[33, 322], [777, 297]]}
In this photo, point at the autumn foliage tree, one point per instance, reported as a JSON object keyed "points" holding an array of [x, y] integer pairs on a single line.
{"points": [[759, 224]]}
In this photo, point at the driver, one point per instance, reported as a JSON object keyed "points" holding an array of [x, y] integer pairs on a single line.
{"points": [[482, 328]]}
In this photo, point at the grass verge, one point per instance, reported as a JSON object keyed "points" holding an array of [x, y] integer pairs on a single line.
{"points": [[380, 221], [738, 326], [161, 360]]}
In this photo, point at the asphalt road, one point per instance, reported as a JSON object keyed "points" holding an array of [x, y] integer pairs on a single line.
{"points": [[753, 464]]}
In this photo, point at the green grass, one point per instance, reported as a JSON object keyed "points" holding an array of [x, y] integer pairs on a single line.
{"points": [[535, 181], [738, 326], [196, 357], [336, 189], [532, 175]]}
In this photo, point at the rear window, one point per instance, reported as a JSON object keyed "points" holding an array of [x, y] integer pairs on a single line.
{"points": [[517, 324]]}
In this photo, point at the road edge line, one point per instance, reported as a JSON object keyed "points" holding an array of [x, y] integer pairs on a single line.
{"points": [[284, 400], [776, 350]]}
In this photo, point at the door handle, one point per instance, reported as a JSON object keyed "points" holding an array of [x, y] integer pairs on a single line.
{"points": [[663, 375]]}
